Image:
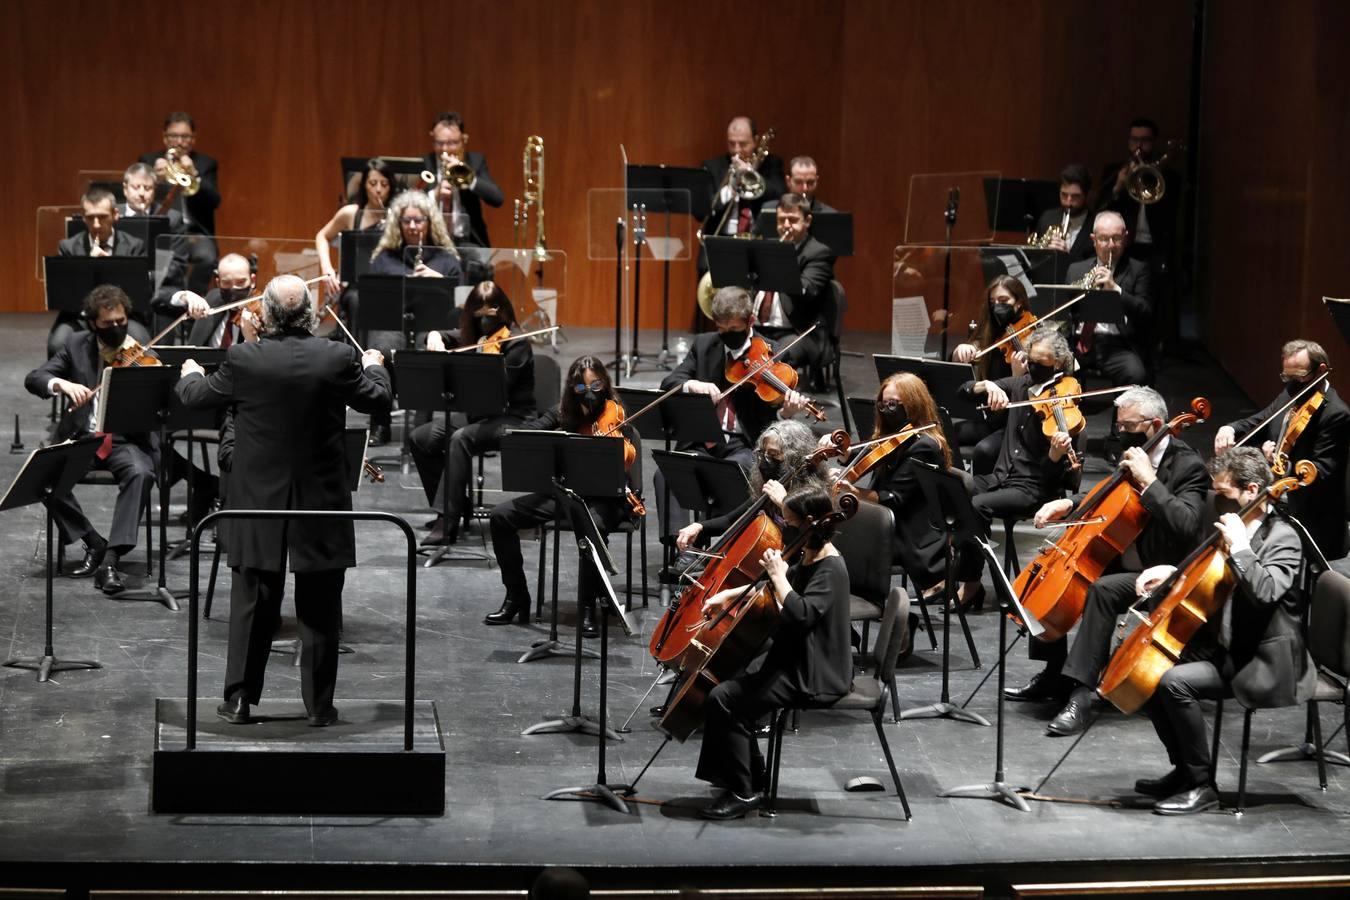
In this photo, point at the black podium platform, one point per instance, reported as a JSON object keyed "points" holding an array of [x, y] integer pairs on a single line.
{"points": [[279, 765]]}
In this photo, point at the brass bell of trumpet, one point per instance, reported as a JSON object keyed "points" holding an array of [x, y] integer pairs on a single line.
{"points": [[1145, 183], [174, 173]]}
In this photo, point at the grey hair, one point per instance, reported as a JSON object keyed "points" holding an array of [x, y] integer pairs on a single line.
{"points": [[285, 308], [1149, 401], [1058, 344], [1243, 466], [392, 237], [1108, 214], [798, 442], [731, 303]]}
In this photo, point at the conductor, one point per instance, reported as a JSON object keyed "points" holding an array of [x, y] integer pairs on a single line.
{"points": [[290, 391]]}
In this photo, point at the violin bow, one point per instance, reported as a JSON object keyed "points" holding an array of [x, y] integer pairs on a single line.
{"points": [[329, 311], [1097, 393], [1323, 381], [506, 340], [224, 308], [755, 370], [1012, 334]]}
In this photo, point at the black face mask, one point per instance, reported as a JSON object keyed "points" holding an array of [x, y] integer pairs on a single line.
{"points": [[591, 404], [1003, 315], [733, 340], [1130, 439], [489, 324], [229, 295], [1041, 373], [1292, 388], [891, 422], [112, 336], [1223, 505], [770, 469]]}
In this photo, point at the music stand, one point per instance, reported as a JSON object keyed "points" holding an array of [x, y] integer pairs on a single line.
{"points": [[1340, 314], [753, 265], [945, 491], [1014, 204], [702, 484], [470, 383], [833, 229], [354, 251], [666, 190], [50, 471], [405, 304], [173, 355], [69, 279]]}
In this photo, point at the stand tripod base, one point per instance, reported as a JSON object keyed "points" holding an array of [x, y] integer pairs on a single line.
{"points": [[995, 790], [160, 594], [547, 648], [600, 792], [47, 664], [1302, 751], [944, 710], [572, 725]]}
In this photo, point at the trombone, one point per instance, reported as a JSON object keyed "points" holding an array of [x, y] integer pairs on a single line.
{"points": [[1145, 183], [746, 184]]}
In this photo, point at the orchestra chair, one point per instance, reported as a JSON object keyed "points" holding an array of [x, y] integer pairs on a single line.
{"points": [[832, 320], [864, 541], [1328, 642], [105, 478], [870, 694]]}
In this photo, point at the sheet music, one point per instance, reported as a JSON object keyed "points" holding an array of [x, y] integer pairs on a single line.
{"points": [[909, 326]]}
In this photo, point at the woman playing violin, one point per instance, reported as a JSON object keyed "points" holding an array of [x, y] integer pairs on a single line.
{"points": [[586, 396], [487, 314], [1006, 307], [808, 659]]}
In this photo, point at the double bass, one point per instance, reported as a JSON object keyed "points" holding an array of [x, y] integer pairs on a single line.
{"points": [[1191, 597], [1054, 587]]}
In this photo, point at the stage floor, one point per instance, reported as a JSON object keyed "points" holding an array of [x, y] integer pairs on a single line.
{"points": [[75, 753]]}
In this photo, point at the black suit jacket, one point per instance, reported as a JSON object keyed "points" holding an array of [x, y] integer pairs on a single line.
{"points": [[204, 329], [1024, 458], [1162, 215], [1136, 297], [1321, 506], [484, 190], [775, 185], [706, 361], [815, 261], [123, 245], [201, 206], [290, 394], [78, 361], [1081, 248], [176, 224]]}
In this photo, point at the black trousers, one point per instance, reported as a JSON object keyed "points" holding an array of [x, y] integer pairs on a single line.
{"points": [[1177, 718], [255, 608], [730, 757], [1118, 361], [509, 518], [676, 516], [1090, 650], [993, 501], [134, 470], [428, 451]]}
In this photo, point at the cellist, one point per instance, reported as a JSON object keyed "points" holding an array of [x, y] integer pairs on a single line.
{"points": [[1324, 441], [1254, 649], [1172, 483]]}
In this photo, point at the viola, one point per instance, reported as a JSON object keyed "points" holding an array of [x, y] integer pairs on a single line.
{"points": [[736, 563], [1054, 403], [1298, 422], [609, 424], [1054, 586], [723, 645], [1191, 596], [880, 449], [772, 379]]}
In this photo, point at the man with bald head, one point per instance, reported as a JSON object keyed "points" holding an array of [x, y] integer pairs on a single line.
{"points": [[1119, 350], [234, 281], [739, 219], [290, 392]]}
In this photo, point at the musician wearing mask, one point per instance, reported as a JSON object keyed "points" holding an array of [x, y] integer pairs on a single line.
{"points": [[742, 138], [1120, 350], [1252, 651], [1172, 483], [486, 318], [461, 204], [585, 391], [290, 393], [1324, 440], [1031, 468], [1005, 303], [197, 203], [1070, 217], [783, 316], [808, 659], [803, 178]]}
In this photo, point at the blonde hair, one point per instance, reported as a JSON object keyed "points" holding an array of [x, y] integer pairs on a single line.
{"points": [[392, 238]]}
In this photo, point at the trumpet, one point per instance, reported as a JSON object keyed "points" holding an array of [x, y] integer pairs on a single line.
{"points": [[189, 183], [1091, 276], [457, 172], [1145, 183]]}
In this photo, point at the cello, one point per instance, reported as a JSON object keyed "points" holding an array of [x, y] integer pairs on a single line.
{"points": [[737, 564], [725, 644], [1191, 596], [1054, 587]]}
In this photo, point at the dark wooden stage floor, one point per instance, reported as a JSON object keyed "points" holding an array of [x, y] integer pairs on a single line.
{"points": [[75, 753]]}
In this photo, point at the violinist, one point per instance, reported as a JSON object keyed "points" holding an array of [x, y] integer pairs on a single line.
{"points": [[1119, 351], [808, 659], [919, 545], [487, 314], [586, 396], [235, 280], [1172, 483], [1006, 307], [1323, 439], [1253, 651]]}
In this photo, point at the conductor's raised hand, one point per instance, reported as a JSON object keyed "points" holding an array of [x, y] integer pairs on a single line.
{"points": [[190, 367], [372, 357]]}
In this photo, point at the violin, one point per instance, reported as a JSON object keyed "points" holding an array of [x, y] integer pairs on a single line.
{"points": [[1298, 422], [772, 379], [736, 564], [1054, 403], [607, 425], [1014, 333], [492, 344], [1054, 586], [132, 353], [1192, 595], [881, 448], [725, 644], [372, 471]]}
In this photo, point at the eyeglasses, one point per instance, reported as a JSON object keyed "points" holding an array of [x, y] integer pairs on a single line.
{"points": [[179, 138], [1132, 424], [776, 457], [1116, 239], [890, 406], [446, 145], [596, 387], [1287, 377], [412, 220]]}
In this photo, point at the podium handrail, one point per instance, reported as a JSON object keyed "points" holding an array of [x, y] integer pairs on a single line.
{"points": [[355, 515]]}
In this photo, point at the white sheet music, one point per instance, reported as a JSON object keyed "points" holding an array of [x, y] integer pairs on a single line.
{"points": [[909, 326]]}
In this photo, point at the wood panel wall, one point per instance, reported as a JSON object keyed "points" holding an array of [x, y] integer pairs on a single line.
{"points": [[875, 90]]}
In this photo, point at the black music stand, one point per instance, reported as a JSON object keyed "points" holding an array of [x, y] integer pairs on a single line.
{"points": [[946, 492], [50, 471], [833, 229], [703, 484], [405, 304], [69, 279], [591, 551], [174, 355], [470, 383], [141, 399], [943, 379], [1095, 306], [1340, 314], [1015, 204], [532, 461], [354, 251], [753, 265]]}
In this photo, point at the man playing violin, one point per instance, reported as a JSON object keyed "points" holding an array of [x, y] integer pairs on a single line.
{"points": [[1254, 651], [783, 316], [1119, 350], [1324, 440], [1172, 483], [235, 280]]}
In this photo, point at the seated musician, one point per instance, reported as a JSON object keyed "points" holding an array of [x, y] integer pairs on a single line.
{"points": [[1172, 483], [235, 280], [1070, 217], [486, 313], [1120, 351], [198, 210], [366, 212], [138, 187], [1031, 468], [803, 178], [1324, 441], [1254, 650], [99, 238], [1005, 302], [783, 316], [734, 215], [462, 207], [74, 372], [808, 659], [743, 415], [586, 389]]}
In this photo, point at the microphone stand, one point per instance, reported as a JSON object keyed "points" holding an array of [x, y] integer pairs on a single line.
{"points": [[953, 201]]}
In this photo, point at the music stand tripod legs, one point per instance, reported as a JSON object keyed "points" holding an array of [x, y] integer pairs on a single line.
{"points": [[161, 592], [551, 646]]}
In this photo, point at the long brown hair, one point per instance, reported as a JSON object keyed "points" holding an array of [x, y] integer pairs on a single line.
{"points": [[484, 293], [920, 408], [569, 405], [984, 324]]}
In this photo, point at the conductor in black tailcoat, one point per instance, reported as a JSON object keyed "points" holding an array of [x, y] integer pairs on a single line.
{"points": [[290, 392]]}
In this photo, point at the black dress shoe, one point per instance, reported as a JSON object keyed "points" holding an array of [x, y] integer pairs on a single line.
{"points": [[1165, 786], [729, 806], [1073, 718], [511, 608], [108, 580], [1186, 803], [324, 718], [234, 711], [1044, 685], [588, 627], [92, 560], [380, 435], [439, 535]]}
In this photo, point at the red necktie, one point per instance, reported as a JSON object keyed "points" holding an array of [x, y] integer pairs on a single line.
{"points": [[766, 307], [745, 220], [227, 336], [104, 448]]}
